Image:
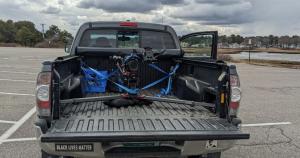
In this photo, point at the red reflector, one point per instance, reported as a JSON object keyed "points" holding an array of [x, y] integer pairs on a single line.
{"points": [[234, 105], [43, 104], [128, 24]]}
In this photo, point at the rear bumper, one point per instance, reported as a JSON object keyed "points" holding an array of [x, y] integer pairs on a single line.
{"points": [[194, 143], [104, 151]]}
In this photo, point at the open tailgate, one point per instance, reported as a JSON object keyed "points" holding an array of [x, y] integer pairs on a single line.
{"points": [[160, 121]]}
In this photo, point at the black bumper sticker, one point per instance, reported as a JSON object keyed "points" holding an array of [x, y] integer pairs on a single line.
{"points": [[74, 147]]}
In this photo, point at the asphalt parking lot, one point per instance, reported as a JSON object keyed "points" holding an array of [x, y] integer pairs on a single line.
{"points": [[270, 107]]}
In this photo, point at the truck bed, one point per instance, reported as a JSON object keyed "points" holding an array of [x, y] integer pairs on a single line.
{"points": [[160, 121]]}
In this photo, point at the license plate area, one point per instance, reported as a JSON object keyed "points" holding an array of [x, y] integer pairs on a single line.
{"points": [[74, 147]]}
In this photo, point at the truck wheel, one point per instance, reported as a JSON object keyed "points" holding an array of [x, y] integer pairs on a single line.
{"points": [[46, 155], [214, 155]]}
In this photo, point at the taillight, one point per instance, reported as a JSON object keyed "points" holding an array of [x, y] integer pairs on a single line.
{"points": [[235, 96], [129, 24], [43, 98]]}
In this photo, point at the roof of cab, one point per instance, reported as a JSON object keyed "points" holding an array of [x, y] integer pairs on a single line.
{"points": [[141, 25]]}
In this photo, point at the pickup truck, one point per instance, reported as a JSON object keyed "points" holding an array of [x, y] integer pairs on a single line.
{"points": [[160, 95]]}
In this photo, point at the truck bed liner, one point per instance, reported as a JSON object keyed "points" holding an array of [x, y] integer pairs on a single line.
{"points": [[95, 121]]}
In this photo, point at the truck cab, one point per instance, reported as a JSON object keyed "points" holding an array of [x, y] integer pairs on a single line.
{"points": [[131, 89]]}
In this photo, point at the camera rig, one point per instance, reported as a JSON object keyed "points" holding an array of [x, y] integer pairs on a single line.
{"points": [[128, 65], [128, 72]]}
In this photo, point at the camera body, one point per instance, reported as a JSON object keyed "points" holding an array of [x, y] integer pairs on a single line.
{"points": [[129, 67]]}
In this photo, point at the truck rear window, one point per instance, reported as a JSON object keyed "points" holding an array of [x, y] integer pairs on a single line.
{"points": [[127, 39]]}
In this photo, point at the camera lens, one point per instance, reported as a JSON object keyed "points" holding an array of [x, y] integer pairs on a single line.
{"points": [[133, 65]]}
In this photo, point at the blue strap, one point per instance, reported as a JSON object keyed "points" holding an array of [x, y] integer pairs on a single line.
{"points": [[128, 90], [99, 74], [136, 90], [168, 89], [88, 76], [154, 83], [157, 68]]}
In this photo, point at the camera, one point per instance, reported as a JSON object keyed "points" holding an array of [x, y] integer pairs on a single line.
{"points": [[128, 67], [132, 64]]}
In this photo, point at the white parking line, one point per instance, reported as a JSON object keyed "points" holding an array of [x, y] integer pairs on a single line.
{"points": [[21, 94], [11, 122], [18, 140], [31, 59], [19, 67], [16, 72], [17, 125], [266, 124], [2, 79]]}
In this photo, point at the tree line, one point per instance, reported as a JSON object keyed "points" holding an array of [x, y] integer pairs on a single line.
{"points": [[262, 41], [26, 34]]}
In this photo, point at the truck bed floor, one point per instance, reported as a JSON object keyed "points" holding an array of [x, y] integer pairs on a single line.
{"points": [[158, 121]]}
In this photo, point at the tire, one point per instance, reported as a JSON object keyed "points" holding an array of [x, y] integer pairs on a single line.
{"points": [[195, 157], [210, 155], [46, 155], [214, 155]]}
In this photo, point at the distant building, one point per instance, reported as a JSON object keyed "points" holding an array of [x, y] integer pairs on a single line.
{"points": [[234, 45]]}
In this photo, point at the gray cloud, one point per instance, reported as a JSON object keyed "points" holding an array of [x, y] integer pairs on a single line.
{"points": [[61, 2], [51, 10], [41, 2], [247, 17], [172, 2], [219, 2], [216, 14], [74, 22], [140, 6], [168, 20]]}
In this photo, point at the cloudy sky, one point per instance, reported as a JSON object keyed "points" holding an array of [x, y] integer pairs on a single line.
{"points": [[246, 17]]}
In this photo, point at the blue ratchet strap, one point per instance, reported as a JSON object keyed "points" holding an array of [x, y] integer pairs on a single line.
{"points": [[158, 68], [87, 75], [99, 74], [128, 90], [154, 83], [136, 90], [166, 91]]}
